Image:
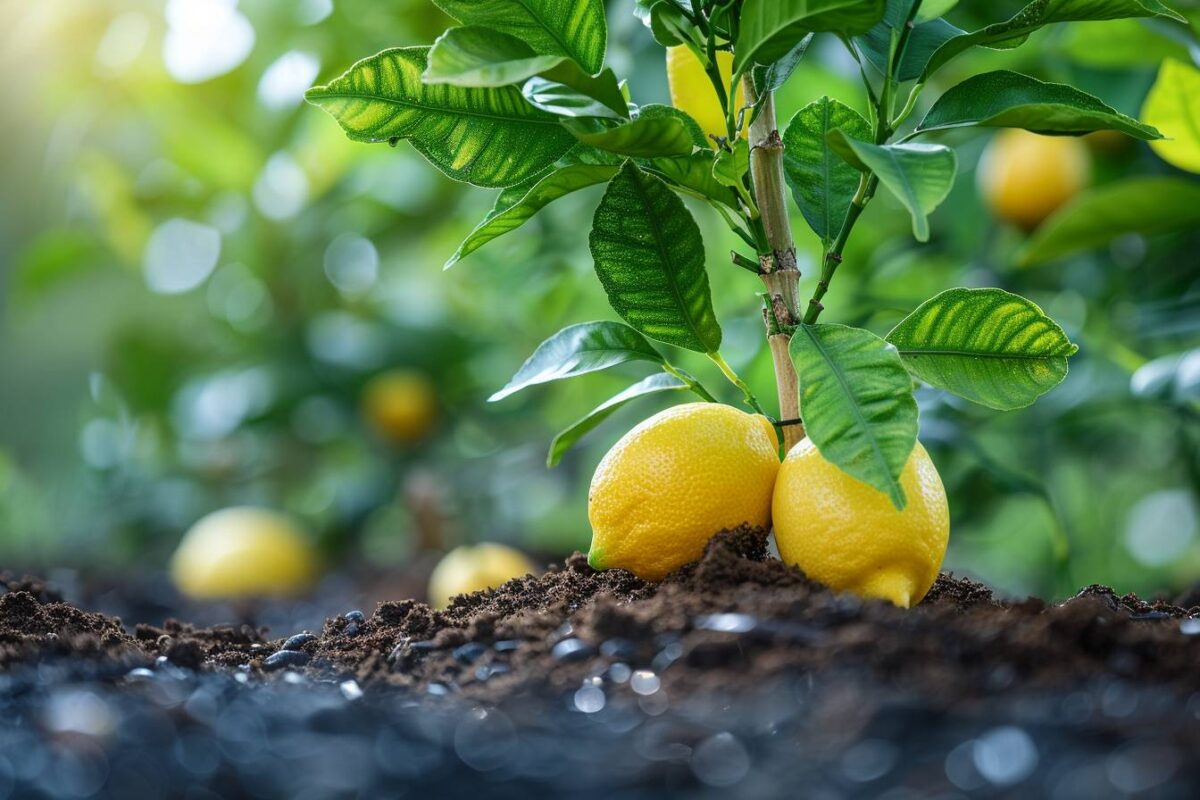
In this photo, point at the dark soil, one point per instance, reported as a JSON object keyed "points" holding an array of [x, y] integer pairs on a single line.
{"points": [[735, 618]]}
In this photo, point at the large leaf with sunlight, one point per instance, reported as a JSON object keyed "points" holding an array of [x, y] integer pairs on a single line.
{"points": [[857, 403], [578, 350], [1005, 99], [576, 29], [650, 259], [1148, 206], [770, 29], [822, 182], [986, 345], [657, 131], [474, 56], [517, 204], [564, 441], [484, 136], [1173, 105], [919, 175]]}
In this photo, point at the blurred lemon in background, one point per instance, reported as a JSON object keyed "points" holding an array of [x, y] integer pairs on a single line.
{"points": [[243, 552], [676, 479], [400, 406], [850, 537], [693, 92], [473, 568], [1024, 177]]}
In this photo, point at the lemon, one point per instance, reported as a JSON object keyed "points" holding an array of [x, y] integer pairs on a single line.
{"points": [[673, 481], [850, 537], [693, 92], [469, 569], [400, 406], [243, 552], [1024, 177]]}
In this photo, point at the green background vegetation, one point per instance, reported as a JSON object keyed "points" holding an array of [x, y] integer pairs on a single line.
{"points": [[198, 273]]}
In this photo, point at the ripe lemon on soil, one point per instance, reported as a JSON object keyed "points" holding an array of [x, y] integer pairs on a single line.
{"points": [[672, 482], [693, 92], [850, 537], [400, 405], [243, 552], [469, 569], [1024, 177]]}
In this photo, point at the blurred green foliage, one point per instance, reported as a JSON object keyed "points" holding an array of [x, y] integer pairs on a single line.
{"points": [[198, 274]]}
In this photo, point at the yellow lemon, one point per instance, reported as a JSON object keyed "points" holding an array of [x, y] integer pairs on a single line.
{"points": [[400, 405], [469, 569], [243, 552], [672, 482], [1024, 177], [693, 92], [850, 537]]}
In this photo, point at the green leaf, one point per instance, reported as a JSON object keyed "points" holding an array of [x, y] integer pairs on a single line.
{"points": [[932, 9], [771, 28], [730, 166], [517, 204], [857, 403], [654, 133], [578, 350], [822, 183], [771, 78], [488, 136], [650, 259], [694, 173], [576, 29], [566, 101], [661, 382], [1149, 206], [1039, 13], [986, 345], [474, 56], [1004, 99], [920, 175], [670, 27], [923, 41], [1174, 105]]}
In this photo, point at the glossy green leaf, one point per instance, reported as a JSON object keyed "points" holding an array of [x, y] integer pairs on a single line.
{"points": [[771, 28], [822, 183], [650, 259], [657, 131], [919, 175], [1039, 13], [694, 173], [770, 78], [670, 27], [1005, 99], [1149, 206], [730, 166], [484, 136], [986, 345], [661, 382], [566, 101], [932, 9], [924, 40], [576, 29], [578, 350], [474, 56], [1174, 104], [857, 403], [517, 204]]}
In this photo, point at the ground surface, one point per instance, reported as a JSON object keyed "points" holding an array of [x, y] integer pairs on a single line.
{"points": [[734, 672]]}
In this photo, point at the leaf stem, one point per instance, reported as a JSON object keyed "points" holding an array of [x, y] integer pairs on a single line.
{"points": [[688, 381], [736, 380]]}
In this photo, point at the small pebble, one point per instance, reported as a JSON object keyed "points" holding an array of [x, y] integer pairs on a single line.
{"points": [[1145, 615], [470, 652], [622, 649], [619, 672], [1190, 627], [351, 629], [350, 690], [644, 682], [506, 645], [285, 658], [140, 673], [437, 689], [667, 656], [726, 623], [298, 641], [355, 616], [572, 650]]}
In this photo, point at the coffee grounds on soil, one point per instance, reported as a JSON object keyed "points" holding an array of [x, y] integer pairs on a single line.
{"points": [[735, 618]]}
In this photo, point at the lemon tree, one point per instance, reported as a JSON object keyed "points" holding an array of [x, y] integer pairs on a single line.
{"points": [[518, 97]]}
